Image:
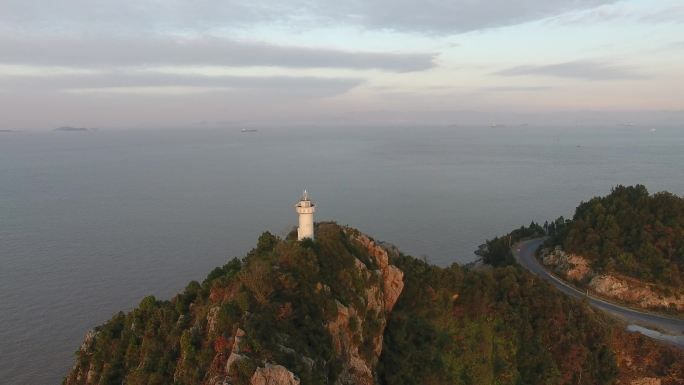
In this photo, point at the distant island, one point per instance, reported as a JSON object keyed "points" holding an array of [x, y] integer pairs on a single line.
{"points": [[345, 309], [7, 130], [74, 129]]}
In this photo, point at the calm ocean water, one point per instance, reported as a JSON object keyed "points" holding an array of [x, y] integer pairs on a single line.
{"points": [[91, 222]]}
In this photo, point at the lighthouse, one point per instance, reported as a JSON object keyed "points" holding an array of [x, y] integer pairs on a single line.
{"points": [[305, 208]]}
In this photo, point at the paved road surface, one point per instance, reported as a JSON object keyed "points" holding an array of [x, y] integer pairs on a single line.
{"points": [[524, 254]]}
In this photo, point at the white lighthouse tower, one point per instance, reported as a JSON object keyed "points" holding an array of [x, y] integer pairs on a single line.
{"points": [[305, 208]]}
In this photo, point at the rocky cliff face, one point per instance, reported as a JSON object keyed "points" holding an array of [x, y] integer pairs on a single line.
{"points": [[577, 269], [349, 328], [634, 292], [392, 277], [569, 266]]}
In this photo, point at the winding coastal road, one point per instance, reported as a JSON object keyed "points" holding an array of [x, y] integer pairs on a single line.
{"points": [[672, 329]]}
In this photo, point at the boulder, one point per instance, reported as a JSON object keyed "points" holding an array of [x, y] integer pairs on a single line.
{"points": [[273, 375], [235, 351]]}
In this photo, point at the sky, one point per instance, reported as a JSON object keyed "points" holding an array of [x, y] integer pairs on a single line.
{"points": [[175, 63]]}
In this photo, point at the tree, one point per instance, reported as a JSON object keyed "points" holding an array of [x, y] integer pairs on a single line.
{"points": [[257, 278]]}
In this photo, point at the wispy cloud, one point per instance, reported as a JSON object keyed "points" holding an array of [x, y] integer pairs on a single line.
{"points": [[112, 52], [516, 88], [435, 16], [585, 70], [624, 12], [455, 16], [110, 81], [673, 14]]}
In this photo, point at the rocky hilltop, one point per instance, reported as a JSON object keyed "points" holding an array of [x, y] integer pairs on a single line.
{"points": [[345, 309], [618, 287], [627, 246]]}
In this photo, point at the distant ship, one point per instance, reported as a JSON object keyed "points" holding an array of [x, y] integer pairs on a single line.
{"points": [[74, 129], [249, 130]]}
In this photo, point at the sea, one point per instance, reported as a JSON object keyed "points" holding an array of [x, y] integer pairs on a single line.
{"points": [[91, 222]]}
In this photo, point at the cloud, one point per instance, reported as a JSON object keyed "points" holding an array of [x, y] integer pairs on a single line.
{"points": [[121, 81], [517, 88], [674, 14], [434, 16], [452, 16], [111, 52], [652, 13], [598, 15], [585, 70]]}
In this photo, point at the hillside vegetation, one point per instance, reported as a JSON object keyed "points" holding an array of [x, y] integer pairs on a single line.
{"points": [[497, 326], [345, 309], [628, 232]]}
